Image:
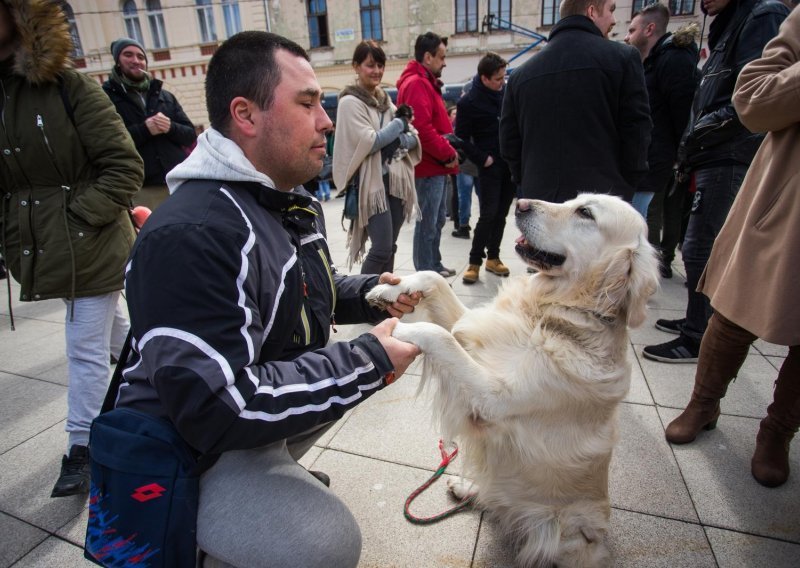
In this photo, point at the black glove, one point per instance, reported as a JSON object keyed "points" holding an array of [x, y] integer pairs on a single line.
{"points": [[388, 151]]}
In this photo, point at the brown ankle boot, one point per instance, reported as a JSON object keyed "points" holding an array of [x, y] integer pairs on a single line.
{"points": [[722, 352], [470, 275], [700, 414], [770, 464]]}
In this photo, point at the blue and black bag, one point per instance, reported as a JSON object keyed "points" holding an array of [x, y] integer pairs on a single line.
{"points": [[144, 490]]}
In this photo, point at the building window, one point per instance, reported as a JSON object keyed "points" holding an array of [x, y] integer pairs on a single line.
{"points": [[371, 20], [230, 11], [501, 9], [318, 23], [681, 7], [205, 18], [69, 14], [130, 14], [550, 14], [466, 16], [157, 28], [638, 5]]}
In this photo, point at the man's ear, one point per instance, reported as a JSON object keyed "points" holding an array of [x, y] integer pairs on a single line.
{"points": [[243, 116]]}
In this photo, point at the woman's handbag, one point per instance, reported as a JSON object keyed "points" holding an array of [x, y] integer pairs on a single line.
{"points": [[351, 199]]}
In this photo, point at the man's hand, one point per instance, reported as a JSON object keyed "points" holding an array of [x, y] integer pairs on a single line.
{"points": [[489, 161], [452, 163], [405, 304], [157, 124], [400, 353]]}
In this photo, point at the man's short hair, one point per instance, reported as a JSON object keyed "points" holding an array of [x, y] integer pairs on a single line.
{"points": [[657, 13], [490, 64], [428, 42], [579, 7], [244, 66]]}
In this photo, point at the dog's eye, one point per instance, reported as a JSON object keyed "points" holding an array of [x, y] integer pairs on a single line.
{"points": [[585, 212]]}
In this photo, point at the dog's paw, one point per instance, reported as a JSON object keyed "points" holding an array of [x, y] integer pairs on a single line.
{"points": [[383, 295], [461, 488]]}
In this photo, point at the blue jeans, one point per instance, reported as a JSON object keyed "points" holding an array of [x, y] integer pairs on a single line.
{"points": [[464, 183], [431, 197], [716, 189], [641, 201], [95, 329], [323, 189]]}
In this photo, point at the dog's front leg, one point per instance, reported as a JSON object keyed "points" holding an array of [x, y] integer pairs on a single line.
{"points": [[467, 390], [439, 304]]}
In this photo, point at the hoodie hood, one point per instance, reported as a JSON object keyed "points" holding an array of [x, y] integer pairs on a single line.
{"points": [[216, 158], [44, 43], [686, 36], [417, 69]]}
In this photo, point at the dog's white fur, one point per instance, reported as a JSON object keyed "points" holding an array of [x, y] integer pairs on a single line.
{"points": [[530, 383]]}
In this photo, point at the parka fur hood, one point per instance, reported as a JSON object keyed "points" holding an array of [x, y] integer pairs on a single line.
{"points": [[44, 42]]}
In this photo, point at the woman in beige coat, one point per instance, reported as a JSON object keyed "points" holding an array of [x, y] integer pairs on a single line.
{"points": [[751, 275]]}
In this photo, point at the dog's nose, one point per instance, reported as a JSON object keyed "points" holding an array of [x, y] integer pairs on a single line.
{"points": [[523, 205]]}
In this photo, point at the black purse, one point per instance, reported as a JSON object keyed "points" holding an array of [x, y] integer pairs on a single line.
{"points": [[351, 199]]}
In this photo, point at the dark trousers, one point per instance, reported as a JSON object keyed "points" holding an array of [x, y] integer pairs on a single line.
{"points": [[717, 187], [497, 193], [664, 219]]}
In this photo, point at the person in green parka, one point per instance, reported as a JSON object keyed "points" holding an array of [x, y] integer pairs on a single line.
{"points": [[68, 173]]}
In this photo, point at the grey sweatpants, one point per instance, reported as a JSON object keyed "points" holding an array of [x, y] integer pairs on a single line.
{"points": [[260, 508]]}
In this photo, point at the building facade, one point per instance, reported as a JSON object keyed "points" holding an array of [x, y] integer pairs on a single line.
{"points": [[180, 36]]}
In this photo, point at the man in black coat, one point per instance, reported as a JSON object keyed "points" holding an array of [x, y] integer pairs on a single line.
{"points": [[670, 71], [160, 129], [575, 116], [477, 126], [716, 150]]}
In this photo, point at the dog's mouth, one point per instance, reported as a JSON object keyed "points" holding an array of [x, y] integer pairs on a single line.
{"points": [[541, 259]]}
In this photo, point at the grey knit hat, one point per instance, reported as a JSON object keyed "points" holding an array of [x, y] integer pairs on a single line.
{"points": [[118, 45]]}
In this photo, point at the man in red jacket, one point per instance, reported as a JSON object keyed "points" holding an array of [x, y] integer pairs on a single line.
{"points": [[419, 87]]}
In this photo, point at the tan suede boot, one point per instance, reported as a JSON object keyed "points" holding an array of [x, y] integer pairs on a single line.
{"points": [[471, 274], [770, 464], [496, 266], [722, 352]]}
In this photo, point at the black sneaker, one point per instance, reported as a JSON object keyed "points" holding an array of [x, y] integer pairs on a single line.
{"points": [[671, 326], [74, 478], [665, 270], [323, 478], [679, 350], [461, 233]]}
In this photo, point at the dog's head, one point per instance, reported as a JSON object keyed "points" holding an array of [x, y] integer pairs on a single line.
{"points": [[594, 249]]}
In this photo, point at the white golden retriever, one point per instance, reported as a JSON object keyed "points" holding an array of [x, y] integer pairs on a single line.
{"points": [[530, 383]]}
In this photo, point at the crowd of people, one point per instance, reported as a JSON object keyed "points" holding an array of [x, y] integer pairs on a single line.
{"points": [[701, 153]]}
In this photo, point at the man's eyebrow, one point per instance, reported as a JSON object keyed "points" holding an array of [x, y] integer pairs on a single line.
{"points": [[309, 92]]}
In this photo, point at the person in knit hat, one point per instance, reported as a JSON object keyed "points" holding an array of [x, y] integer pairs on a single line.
{"points": [[155, 120]]}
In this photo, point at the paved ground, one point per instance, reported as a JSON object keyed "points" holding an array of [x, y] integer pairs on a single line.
{"points": [[695, 505]]}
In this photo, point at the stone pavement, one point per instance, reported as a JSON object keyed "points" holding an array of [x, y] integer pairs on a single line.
{"points": [[694, 505]]}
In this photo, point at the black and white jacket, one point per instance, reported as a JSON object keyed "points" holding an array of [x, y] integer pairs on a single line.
{"points": [[232, 292]]}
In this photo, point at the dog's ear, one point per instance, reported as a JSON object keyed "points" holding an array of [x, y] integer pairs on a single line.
{"points": [[630, 278]]}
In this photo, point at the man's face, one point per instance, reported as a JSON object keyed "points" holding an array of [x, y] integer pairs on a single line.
{"points": [[133, 63], [435, 63], [638, 35], [714, 7], [496, 81], [603, 15], [291, 133]]}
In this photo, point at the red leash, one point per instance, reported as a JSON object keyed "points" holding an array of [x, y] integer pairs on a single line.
{"points": [[446, 459]]}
